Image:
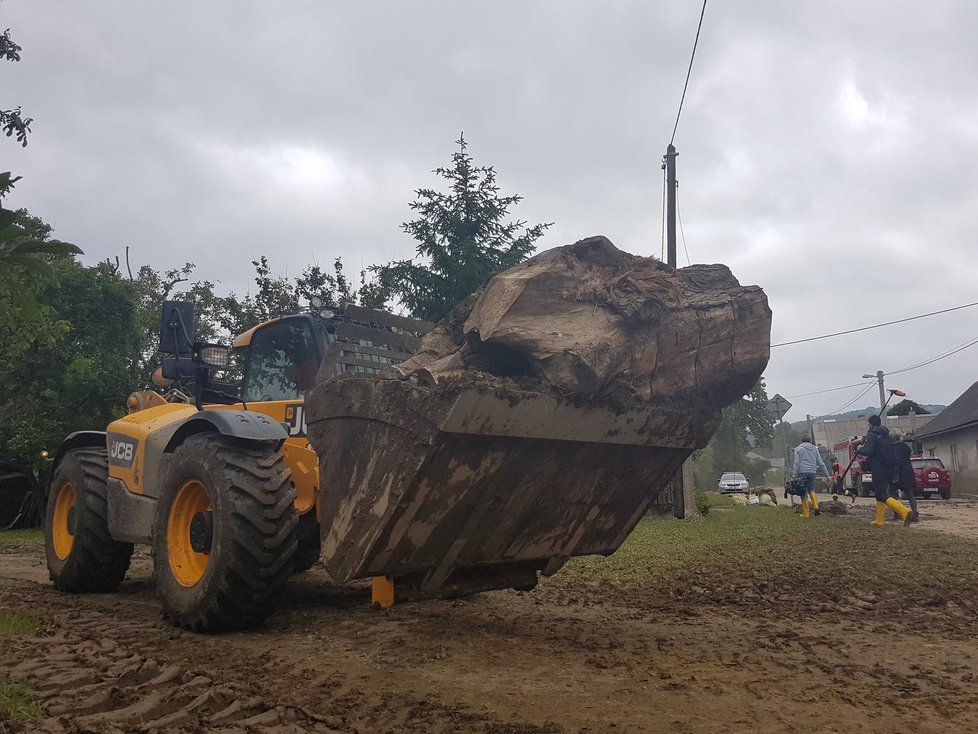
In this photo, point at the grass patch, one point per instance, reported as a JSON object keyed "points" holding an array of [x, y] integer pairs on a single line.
{"points": [[32, 536], [772, 558], [661, 545], [17, 703], [15, 623]]}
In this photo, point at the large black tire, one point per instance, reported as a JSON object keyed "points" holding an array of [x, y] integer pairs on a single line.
{"points": [[82, 556], [249, 525], [310, 546]]}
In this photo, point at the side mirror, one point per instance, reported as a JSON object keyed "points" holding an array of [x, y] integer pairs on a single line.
{"points": [[176, 327]]}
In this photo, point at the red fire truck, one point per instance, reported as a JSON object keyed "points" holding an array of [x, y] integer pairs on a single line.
{"points": [[845, 452]]}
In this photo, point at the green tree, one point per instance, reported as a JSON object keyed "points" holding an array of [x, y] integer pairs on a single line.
{"points": [[745, 421], [72, 367], [24, 242], [463, 238], [278, 295], [905, 406], [12, 121]]}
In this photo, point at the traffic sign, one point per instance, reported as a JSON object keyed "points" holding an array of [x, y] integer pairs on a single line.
{"points": [[778, 406]]}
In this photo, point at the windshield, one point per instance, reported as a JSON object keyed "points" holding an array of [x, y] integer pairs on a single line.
{"points": [[282, 362], [927, 463], [733, 478]]}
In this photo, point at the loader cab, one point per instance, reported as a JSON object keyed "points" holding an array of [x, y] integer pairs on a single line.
{"points": [[282, 357]]}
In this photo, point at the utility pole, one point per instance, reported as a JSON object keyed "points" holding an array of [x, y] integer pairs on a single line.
{"points": [[679, 493], [879, 379], [671, 185]]}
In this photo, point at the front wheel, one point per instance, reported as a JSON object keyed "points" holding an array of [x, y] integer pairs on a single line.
{"points": [[81, 554], [224, 536]]}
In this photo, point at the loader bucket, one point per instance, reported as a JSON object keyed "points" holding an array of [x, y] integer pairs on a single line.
{"points": [[476, 487]]}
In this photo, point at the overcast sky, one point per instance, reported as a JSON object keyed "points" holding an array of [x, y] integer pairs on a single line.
{"points": [[828, 149]]}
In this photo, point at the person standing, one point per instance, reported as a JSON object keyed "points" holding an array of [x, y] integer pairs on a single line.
{"points": [[877, 447], [904, 478], [835, 480], [807, 462]]}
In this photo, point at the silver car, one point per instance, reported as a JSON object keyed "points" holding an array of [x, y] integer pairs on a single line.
{"points": [[733, 482]]}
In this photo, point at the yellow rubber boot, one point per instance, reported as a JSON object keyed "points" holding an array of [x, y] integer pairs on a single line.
{"points": [[804, 507], [899, 509], [814, 499], [880, 515]]}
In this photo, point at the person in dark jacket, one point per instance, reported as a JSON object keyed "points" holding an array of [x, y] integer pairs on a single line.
{"points": [[877, 447], [904, 478]]}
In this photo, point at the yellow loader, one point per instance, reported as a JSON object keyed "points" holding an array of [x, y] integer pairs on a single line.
{"points": [[222, 484], [539, 422]]}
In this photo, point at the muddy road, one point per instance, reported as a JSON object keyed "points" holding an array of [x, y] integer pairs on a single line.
{"points": [[806, 632]]}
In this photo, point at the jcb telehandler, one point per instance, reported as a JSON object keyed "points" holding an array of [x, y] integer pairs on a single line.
{"points": [[223, 485], [537, 423]]}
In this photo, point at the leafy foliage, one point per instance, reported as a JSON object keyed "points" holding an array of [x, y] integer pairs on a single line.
{"points": [[747, 418], [462, 237], [71, 365], [22, 240], [905, 406], [12, 121], [275, 296]]}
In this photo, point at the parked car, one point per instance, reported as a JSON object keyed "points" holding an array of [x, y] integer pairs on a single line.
{"points": [[733, 482], [932, 477]]}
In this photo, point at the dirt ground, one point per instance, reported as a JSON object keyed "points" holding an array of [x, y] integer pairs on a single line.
{"points": [[780, 640]]}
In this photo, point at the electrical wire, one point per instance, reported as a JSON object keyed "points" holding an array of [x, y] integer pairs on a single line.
{"points": [[831, 389], [688, 72], [943, 355], [869, 386], [875, 326]]}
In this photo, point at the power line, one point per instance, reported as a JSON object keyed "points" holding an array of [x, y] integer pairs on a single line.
{"points": [[688, 72], [875, 326], [831, 389], [943, 355], [869, 386]]}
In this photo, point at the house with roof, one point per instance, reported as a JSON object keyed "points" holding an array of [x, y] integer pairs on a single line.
{"points": [[952, 436]]}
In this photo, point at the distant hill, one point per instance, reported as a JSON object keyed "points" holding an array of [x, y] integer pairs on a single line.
{"points": [[867, 411]]}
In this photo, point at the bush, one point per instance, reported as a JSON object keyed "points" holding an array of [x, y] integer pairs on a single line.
{"points": [[702, 502]]}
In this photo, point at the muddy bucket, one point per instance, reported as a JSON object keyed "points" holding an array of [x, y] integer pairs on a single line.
{"points": [[448, 484]]}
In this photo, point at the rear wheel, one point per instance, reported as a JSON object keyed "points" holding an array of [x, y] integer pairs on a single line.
{"points": [[308, 550], [225, 532], [945, 494], [81, 554]]}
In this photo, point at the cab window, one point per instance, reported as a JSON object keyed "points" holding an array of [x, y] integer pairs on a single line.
{"points": [[282, 362]]}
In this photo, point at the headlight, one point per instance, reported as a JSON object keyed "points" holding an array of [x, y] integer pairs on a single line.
{"points": [[215, 356]]}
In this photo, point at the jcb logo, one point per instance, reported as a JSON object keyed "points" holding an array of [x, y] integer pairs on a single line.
{"points": [[122, 451], [295, 417]]}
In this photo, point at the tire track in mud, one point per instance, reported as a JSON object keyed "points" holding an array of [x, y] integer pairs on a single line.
{"points": [[106, 666]]}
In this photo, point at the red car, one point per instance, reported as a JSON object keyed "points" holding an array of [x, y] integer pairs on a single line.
{"points": [[932, 477]]}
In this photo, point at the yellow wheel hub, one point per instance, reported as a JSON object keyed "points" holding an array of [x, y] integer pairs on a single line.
{"points": [[63, 523], [190, 508]]}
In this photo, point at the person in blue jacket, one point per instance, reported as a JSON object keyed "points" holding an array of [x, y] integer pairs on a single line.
{"points": [[807, 463]]}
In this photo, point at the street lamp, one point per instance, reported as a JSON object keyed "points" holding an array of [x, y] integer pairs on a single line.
{"points": [[879, 378]]}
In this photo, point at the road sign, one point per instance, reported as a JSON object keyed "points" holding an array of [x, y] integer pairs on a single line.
{"points": [[778, 406]]}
